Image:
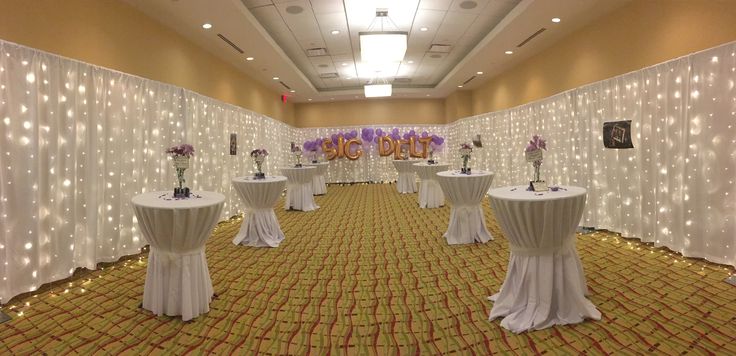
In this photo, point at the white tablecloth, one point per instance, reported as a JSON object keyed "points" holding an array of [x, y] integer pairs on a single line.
{"points": [[545, 284], [318, 181], [407, 182], [430, 192], [465, 193], [299, 194], [260, 227], [177, 279]]}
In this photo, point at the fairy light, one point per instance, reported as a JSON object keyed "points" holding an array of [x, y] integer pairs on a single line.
{"points": [[641, 192]]}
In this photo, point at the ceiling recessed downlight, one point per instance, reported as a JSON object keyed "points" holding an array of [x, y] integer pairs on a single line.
{"points": [[459, 86], [207, 26], [292, 91], [249, 58], [344, 64], [335, 32], [479, 73], [276, 78], [310, 99], [423, 29], [509, 52], [556, 19], [410, 62]]}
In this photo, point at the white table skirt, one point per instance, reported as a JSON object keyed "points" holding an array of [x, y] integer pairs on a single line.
{"points": [[465, 193], [430, 192], [260, 227], [177, 278], [299, 194], [545, 284], [406, 183], [319, 187]]}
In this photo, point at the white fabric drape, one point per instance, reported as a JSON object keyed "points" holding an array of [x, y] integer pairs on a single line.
{"points": [[465, 193], [260, 226], [430, 192], [299, 194], [78, 141], [545, 284], [177, 278], [407, 180], [318, 181], [675, 188]]}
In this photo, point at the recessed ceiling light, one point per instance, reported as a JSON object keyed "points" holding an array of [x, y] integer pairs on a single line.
{"points": [[427, 94], [509, 52], [479, 73], [459, 86], [335, 32], [249, 58], [349, 78], [310, 99], [292, 91], [276, 78], [556, 19], [423, 29], [410, 62], [332, 98], [207, 26], [344, 64]]}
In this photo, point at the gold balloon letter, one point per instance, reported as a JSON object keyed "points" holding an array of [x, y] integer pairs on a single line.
{"points": [[425, 145], [329, 151], [358, 152], [340, 147], [383, 142]]}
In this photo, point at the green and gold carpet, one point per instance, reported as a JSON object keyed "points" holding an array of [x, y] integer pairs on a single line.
{"points": [[370, 274]]}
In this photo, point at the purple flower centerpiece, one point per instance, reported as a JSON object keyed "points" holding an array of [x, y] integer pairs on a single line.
{"points": [[180, 155], [533, 153], [259, 155], [465, 150]]}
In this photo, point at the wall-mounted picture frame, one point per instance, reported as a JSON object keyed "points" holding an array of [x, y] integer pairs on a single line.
{"points": [[233, 144]]}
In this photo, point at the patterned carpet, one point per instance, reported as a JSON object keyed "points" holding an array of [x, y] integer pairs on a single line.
{"points": [[369, 274]]}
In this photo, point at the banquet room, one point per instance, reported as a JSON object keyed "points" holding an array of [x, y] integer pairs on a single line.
{"points": [[368, 177]]}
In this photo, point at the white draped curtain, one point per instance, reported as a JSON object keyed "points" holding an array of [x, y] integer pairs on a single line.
{"points": [[674, 189], [79, 141]]}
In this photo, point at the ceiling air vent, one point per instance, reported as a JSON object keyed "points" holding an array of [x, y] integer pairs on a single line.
{"points": [[316, 52], [469, 80], [440, 48], [230, 43], [285, 86], [535, 34], [328, 75], [402, 80]]}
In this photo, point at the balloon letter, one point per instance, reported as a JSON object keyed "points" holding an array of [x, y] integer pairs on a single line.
{"points": [[358, 152], [341, 147], [399, 147], [425, 145], [383, 142], [329, 151]]}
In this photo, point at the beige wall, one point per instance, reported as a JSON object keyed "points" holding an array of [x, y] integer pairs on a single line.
{"points": [[372, 111], [639, 34], [115, 35], [458, 105]]}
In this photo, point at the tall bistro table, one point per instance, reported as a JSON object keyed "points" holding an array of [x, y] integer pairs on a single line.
{"points": [[465, 192], [407, 182], [299, 194], [318, 181], [430, 192], [260, 227], [545, 284], [177, 278]]}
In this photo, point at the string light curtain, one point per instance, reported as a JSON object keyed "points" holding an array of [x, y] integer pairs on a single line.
{"points": [[674, 189], [79, 141]]}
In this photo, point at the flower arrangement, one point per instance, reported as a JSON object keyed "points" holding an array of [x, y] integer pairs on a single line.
{"points": [[465, 150], [533, 152], [259, 155], [180, 155], [296, 150]]}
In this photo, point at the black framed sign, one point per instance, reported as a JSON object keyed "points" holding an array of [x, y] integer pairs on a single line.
{"points": [[617, 134]]}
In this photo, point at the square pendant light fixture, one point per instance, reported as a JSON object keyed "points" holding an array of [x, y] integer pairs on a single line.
{"points": [[377, 90], [382, 46]]}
